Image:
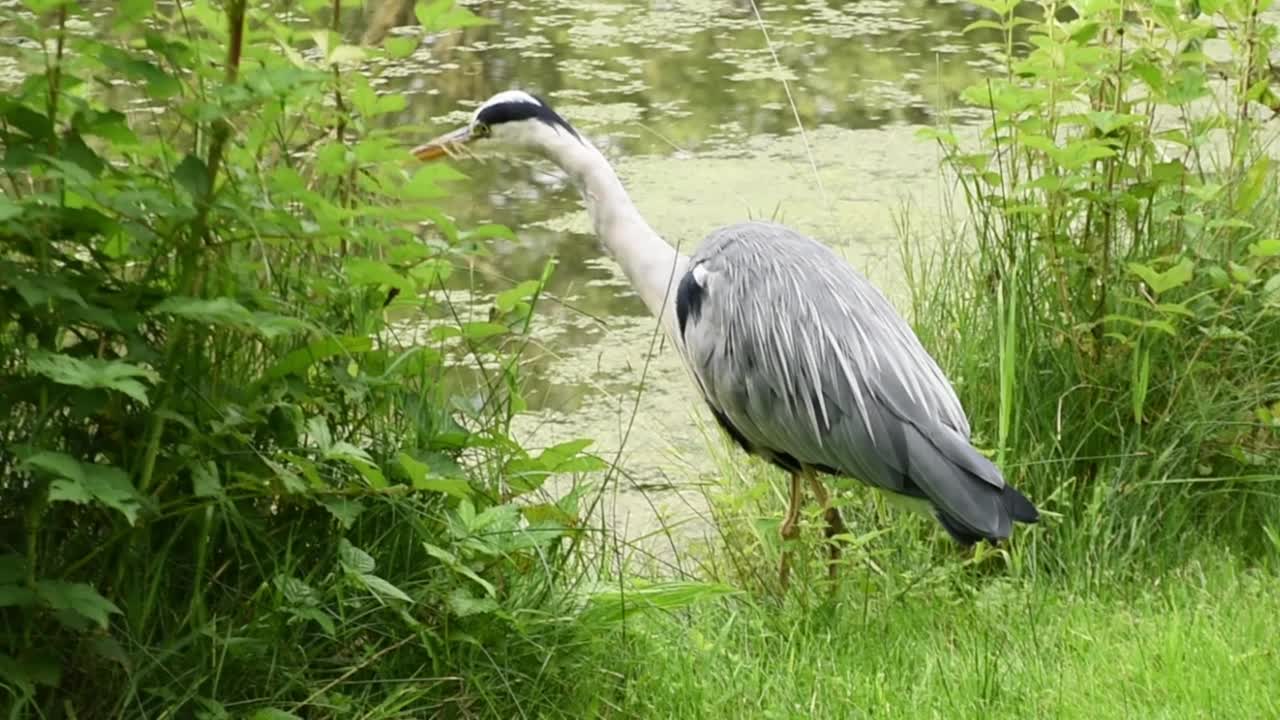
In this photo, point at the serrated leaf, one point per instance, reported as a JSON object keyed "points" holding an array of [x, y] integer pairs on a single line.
{"points": [[77, 598], [354, 559], [345, 510], [205, 481], [319, 616], [463, 604], [295, 591], [83, 483], [193, 175], [1160, 282], [383, 588], [425, 183], [422, 478], [92, 373], [451, 561]]}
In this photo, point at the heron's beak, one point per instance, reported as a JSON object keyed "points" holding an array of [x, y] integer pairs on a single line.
{"points": [[443, 145]]}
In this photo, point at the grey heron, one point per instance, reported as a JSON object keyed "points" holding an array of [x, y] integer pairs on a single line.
{"points": [[801, 360]]}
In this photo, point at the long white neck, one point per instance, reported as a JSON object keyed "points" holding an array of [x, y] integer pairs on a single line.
{"points": [[650, 263]]}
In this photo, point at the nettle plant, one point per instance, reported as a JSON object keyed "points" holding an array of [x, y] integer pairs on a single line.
{"points": [[203, 228], [1127, 225]]}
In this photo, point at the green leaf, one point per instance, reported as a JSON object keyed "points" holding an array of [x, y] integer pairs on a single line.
{"points": [[400, 47], [77, 598], [9, 209], [1265, 248], [384, 589], [1252, 185], [36, 290], [304, 357], [228, 312], [193, 175], [508, 299], [16, 596], [421, 477], [452, 562], [1242, 274], [444, 15], [463, 604], [131, 11], [354, 559], [205, 481], [93, 373], [482, 330], [319, 616], [296, 592], [425, 183], [485, 232], [13, 568], [83, 483], [1160, 282], [345, 510], [1271, 291], [615, 605], [364, 271]]}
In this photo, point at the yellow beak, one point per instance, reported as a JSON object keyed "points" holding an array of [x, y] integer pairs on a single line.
{"points": [[446, 144]]}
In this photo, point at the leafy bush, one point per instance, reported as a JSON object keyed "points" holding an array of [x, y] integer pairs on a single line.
{"points": [[227, 483], [1124, 296]]}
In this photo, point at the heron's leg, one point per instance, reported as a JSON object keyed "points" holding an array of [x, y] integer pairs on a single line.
{"points": [[835, 523], [789, 528]]}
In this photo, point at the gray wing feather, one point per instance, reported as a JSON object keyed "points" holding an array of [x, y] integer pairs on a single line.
{"points": [[804, 356]]}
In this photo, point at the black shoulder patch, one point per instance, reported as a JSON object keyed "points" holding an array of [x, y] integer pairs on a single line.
{"points": [[517, 110], [688, 300]]}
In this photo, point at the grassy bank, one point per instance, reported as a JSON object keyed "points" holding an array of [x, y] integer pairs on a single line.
{"points": [[1197, 643]]}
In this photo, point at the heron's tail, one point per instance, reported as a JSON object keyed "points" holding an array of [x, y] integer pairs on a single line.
{"points": [[970, 497], [1019, 508]]}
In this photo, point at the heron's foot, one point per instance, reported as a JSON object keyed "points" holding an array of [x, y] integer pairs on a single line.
{"points": [[790, 528], [835, 526]]}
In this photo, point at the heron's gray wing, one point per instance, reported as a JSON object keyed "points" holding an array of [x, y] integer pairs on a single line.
{"points": [[806, 362]]}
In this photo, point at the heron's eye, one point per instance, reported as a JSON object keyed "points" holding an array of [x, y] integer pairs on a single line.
{"points": [[480, 131]]}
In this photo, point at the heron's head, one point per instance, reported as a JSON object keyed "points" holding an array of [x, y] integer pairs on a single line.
{"points": [[513, 120]]}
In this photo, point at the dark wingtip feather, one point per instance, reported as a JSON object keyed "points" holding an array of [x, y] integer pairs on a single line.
{"points": [[1020, 508]]}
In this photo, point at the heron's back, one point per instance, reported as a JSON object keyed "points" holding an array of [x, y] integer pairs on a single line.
{"points": [[807, 363]]}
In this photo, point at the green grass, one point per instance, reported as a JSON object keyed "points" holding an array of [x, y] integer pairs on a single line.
{"points": [[1196, 643]]}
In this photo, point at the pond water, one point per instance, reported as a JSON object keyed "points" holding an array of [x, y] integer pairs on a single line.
{"points": [[688, 103]]}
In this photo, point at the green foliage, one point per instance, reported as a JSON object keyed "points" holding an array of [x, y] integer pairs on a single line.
{"points": [[1125, 214], [226, 481]]}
